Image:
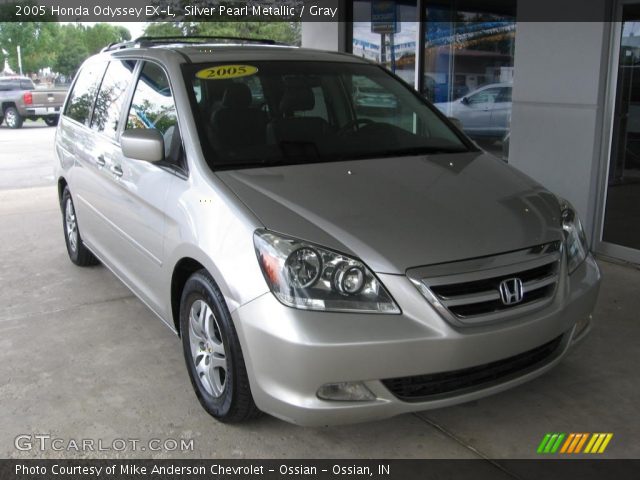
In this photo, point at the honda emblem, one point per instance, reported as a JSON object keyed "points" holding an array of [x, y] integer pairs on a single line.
{"points": [[511, 291]]}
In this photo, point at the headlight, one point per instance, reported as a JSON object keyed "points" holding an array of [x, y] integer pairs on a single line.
{"points": [[306, 276], [574, 237]]}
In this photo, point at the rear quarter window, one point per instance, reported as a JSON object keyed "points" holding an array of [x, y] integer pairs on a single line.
{"points": [[83, 94], [27, 85]]}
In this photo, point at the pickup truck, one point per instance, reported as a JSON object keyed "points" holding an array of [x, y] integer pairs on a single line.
{"points": [[21, 100]]}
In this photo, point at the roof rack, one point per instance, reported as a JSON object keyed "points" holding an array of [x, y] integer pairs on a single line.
{"points": [[150, 41]]}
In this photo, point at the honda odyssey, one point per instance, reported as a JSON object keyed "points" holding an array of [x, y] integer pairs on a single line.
{"points": [[321, 262]]}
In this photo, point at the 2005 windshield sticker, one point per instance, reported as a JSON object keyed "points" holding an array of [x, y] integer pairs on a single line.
{"points": [[223, 72]]}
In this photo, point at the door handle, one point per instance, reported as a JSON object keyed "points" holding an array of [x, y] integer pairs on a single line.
{"points": [[100, 161], [116, 170]]}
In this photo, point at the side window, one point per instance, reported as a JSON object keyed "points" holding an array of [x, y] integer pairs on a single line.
{"points": [[486, 96], [9, 85], [153, 107], [84, 92], [505, 95], [106, 113]]}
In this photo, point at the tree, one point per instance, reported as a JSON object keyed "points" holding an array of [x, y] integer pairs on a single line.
{"points": [[77, 42], [164, 29], [36, 40], [285, 32], [101, 35], [74, 50]]}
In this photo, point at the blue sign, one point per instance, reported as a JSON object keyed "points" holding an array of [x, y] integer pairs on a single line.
{"points": [[384, 17]]}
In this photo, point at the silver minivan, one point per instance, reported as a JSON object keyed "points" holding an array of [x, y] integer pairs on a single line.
{"points": [[321, 262]]}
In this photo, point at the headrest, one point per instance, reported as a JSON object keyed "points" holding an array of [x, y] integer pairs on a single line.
{"points": [[237, 95], [297, 97]]}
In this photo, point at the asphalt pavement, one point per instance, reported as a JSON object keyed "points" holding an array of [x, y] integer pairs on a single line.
{"points": [[26, 155]]}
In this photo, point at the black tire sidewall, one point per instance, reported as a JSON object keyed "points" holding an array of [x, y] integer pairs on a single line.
{"points": [[51, 121], [201, 287]]}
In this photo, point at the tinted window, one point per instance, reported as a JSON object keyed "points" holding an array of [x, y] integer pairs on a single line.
{"points": [[27, 85], [153, 107], [8, 85], [319, 108], [290, 112], [84, 92], [106, 113]]}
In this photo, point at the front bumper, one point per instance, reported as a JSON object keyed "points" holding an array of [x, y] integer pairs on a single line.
{"points": [[291, 353]]}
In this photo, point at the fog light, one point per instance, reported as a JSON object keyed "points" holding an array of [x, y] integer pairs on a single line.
{"points": [[346, 392], [581, 327]]}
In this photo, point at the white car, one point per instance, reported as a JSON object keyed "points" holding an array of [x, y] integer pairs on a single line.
{"points": [[484, 113]]}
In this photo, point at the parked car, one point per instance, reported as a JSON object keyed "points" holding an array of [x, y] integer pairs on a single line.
{"points": [[319, 266], [484, 113], [20, 100]]}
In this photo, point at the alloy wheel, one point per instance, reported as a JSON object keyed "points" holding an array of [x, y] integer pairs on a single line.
{"points": [[71, 224], [207, 348], [10, 118]]}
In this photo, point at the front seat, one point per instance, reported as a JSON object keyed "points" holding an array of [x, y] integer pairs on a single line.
{"points": [[235, 124], [290, 129]]}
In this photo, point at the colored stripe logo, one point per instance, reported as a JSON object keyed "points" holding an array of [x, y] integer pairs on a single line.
{"points": [[574, 443]]}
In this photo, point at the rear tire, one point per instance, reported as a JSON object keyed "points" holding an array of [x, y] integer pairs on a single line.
{"points": [[78, 253], [13, 118], [212, 352], [51, 121]]}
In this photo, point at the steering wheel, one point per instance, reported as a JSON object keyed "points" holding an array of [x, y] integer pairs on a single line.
{"points": [[353, 124]]}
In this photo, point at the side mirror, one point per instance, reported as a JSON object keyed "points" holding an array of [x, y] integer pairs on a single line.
{"points": [[143, 144], [456, 122], [464, 100]]}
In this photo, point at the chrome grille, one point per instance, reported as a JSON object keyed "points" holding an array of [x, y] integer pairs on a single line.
{"points": [[468, 292]]}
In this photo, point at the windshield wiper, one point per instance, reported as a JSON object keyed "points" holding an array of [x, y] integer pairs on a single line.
{"points": [[301, 154], [405, 152]]}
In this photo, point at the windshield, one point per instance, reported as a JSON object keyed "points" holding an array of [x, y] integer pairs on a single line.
{"points": [[281, 113]]}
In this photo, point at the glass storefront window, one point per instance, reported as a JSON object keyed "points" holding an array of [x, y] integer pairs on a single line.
{"points": [[468, 70], [622, 207], [388, 36], [467, 58]]}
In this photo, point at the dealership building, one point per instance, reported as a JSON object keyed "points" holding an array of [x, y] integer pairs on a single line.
{"points": [[559, 100]]}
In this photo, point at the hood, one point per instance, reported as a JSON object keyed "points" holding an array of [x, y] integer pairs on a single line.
{"points": [[398, 213]]}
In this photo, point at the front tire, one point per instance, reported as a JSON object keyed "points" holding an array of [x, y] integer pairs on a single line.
{"points": [[212, 352], [78, 253], [51, 121], [13, 118]]}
